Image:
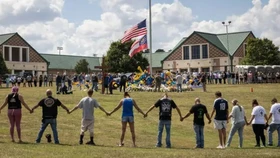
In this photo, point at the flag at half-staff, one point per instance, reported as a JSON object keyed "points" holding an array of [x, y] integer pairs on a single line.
{"points": [[138, 46], [138, 30]]}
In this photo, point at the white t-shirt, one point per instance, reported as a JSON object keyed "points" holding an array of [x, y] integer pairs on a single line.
{"points": [[275, 111], [179, 79], [259, 112], [88, 104], [237, 115]]}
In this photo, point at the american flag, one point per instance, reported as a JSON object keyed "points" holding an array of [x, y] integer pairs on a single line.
{"points": [[136, 31]]}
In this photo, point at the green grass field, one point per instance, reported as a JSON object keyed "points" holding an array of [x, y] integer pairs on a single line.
{"points": [[107, 129]]}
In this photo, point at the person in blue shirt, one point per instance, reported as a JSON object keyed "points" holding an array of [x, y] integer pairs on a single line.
{"points": [[127, 116], [220, 121]]}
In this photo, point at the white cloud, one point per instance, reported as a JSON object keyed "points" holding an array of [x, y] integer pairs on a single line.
{"points": [[26, 11], [46, 29]]}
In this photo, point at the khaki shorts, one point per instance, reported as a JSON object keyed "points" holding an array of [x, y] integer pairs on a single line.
{"points": [[220, 124], [87, 125]]}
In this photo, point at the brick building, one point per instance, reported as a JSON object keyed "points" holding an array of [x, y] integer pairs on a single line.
{"points": [[207, 52], [20, 56]]}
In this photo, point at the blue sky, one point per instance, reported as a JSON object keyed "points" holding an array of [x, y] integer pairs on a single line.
{"points": [[216, 10]]}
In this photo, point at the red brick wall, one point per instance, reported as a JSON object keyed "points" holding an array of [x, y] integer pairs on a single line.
{"points": [[196, 39], [240, 50], [16, 40]]}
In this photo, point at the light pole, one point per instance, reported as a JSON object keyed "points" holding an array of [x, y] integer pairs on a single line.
{"points": [[59, 49], [229, 56]]}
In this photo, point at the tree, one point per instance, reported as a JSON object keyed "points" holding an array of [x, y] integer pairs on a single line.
{"points": [[3, 67], [146, 51], [160, 50], [82, 66], [118, 60], [261, 52]]}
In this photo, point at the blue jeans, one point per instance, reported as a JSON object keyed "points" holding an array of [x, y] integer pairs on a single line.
{"points": [[239, 126], [271, 129], [161, 124], [179, 87], [94, 86], [199, 135], [44, 125]]}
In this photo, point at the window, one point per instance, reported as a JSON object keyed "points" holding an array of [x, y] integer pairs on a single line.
{"points": [[196, 52], [204, 51], [24, 54], [7, 53], [15, 54], [186, 53]]}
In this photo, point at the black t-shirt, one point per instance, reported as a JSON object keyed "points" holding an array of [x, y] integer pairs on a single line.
{"points": [[198, 110], [13, 101], [165, 110], [221, 107], [123, 78], [158, 79], [49, 107], [203, 78], [94, 79]]}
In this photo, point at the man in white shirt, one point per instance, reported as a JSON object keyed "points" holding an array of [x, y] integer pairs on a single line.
{"points": [[275, 123], [179, 82], [87, 104]]}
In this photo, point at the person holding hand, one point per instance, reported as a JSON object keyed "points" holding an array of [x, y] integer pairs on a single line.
{"points": [[198, 121], [127, 104], [88, 104], [49, 109], [14, 101], [258, 120], [165, 105]]}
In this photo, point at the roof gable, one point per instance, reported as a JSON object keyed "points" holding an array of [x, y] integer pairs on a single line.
{"points": [[218, 40], [212, 38], [234, 39], [5, 37], [69, 61]]}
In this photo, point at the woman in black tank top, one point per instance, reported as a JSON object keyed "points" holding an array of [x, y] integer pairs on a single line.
{"points": [[14, 101]]}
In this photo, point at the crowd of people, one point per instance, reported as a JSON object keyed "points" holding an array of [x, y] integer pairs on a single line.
{"points": [[220, 112]]}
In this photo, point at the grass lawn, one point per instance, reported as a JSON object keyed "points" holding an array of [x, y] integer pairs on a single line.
{"points": [[107, 129]]}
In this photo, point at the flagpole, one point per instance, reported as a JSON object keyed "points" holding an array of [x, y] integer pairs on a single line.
{"points": [[150, 35]]}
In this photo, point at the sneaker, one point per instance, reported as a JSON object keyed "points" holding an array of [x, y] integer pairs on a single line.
{"points": [[158, 145], [122, 144], [90, 143], [219, 147], [49, 138], [81, 142], [257, 146], [269, 144]]}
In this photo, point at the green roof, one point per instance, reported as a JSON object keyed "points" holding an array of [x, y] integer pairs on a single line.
{"points": [[219, 40], [157, 57], [5, 37], [69, 61], [235, 39]]}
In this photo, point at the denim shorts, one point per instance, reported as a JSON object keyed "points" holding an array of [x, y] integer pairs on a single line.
{"points": [[127, 119]]}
